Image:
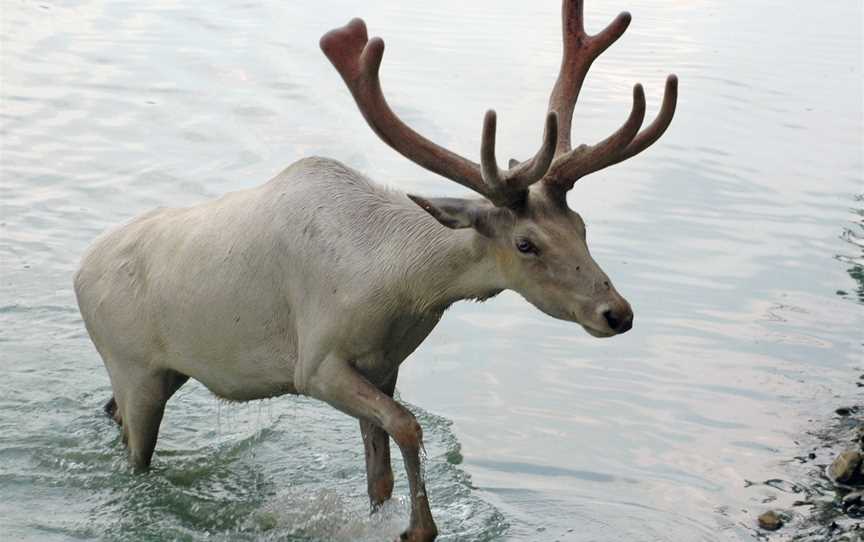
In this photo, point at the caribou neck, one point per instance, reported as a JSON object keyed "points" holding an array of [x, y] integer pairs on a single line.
{"points": [[449, 266]]}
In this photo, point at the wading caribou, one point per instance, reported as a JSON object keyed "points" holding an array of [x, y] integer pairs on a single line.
{"points": [[321, 282]]}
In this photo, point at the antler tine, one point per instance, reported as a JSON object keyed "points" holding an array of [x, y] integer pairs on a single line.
{"points": [[580, 50], [533, 170], [358, 59], [652, 133], [584, 159], [508, 187], [570, 167]]}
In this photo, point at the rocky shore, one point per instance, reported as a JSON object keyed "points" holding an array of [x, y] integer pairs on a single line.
{"points": [[832, 508]]}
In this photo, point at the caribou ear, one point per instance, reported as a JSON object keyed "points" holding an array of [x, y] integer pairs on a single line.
{"points": [[456, 213]]}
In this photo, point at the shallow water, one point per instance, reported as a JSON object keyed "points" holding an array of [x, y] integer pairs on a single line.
{"points": [[737, 238]]}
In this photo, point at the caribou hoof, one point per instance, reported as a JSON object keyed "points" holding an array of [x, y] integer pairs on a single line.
{"points": [[418, 535]]}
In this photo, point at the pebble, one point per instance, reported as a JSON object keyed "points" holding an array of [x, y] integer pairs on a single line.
{"points": [[770, 521]]}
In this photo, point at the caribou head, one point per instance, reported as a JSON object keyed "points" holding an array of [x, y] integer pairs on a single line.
{"points": [[538, 242]]}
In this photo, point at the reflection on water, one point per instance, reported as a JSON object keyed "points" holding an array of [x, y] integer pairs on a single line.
{"points": [[732, 238], [854, 254]]}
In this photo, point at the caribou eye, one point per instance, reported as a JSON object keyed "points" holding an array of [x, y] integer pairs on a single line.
{"points": [[526, 247]]}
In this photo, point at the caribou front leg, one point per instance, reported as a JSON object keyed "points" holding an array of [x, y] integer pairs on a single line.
{"points": [[376, 444], [337, 383]]}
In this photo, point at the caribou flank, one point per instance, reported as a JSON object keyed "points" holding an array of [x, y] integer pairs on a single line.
{"points": [[321, 283]]}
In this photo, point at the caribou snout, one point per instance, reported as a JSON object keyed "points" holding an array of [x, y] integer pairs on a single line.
{"points": [[618, 317], [610, 318]]}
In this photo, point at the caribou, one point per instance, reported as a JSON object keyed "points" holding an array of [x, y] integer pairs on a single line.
{"points": [[321, 283]]}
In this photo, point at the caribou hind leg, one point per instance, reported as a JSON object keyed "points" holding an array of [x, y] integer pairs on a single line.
{"points": [[137, 405]]}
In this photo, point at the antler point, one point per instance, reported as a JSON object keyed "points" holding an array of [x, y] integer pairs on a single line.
{"points": [[357, 25], [376, 42]]}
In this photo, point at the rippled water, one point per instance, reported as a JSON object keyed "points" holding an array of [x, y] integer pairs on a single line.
{"points": [[737, 238]]}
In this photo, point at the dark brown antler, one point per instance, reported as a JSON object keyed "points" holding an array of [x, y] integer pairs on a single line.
{"points": [[580, 50], [358, 59]]}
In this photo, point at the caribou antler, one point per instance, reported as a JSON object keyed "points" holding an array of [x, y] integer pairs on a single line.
{"points": [[580, 50], [358, 59]]}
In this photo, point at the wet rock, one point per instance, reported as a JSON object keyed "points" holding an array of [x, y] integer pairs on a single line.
{"points": [[853, 505], [836, 513], [845, 467], [770, 521], [853, 498]]}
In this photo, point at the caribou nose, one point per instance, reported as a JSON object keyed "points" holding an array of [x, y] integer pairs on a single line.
{"points": [[619, 321]]}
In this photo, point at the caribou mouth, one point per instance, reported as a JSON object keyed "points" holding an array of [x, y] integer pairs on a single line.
{"points": [[604, 334]]}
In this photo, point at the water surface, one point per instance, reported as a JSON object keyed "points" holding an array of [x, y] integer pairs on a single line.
{"points": [[737, 238]]}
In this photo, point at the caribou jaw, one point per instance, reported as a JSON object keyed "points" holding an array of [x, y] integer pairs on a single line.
{"points": [[600, 334]]}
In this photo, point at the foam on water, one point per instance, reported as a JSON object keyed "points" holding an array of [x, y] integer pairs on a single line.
{"points": [[290, 470]]}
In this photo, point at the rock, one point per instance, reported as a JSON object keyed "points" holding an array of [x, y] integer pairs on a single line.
{"points": [[853, 498], [845, 467], [770, 521]]}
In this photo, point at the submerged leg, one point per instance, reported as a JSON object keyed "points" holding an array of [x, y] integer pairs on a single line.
{"points": [[339, 384], [142, 407], [376, 443]]}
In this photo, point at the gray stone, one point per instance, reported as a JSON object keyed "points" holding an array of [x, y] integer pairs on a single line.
{"points": [[770, 521], [853, 498], [845, 466]]}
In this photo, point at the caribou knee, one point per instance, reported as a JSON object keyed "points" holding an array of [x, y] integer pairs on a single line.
{"points": [[406, 431]]}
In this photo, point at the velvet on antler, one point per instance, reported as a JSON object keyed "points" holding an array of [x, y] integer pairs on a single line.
{"points": [[358, 59], [579, 52]]}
